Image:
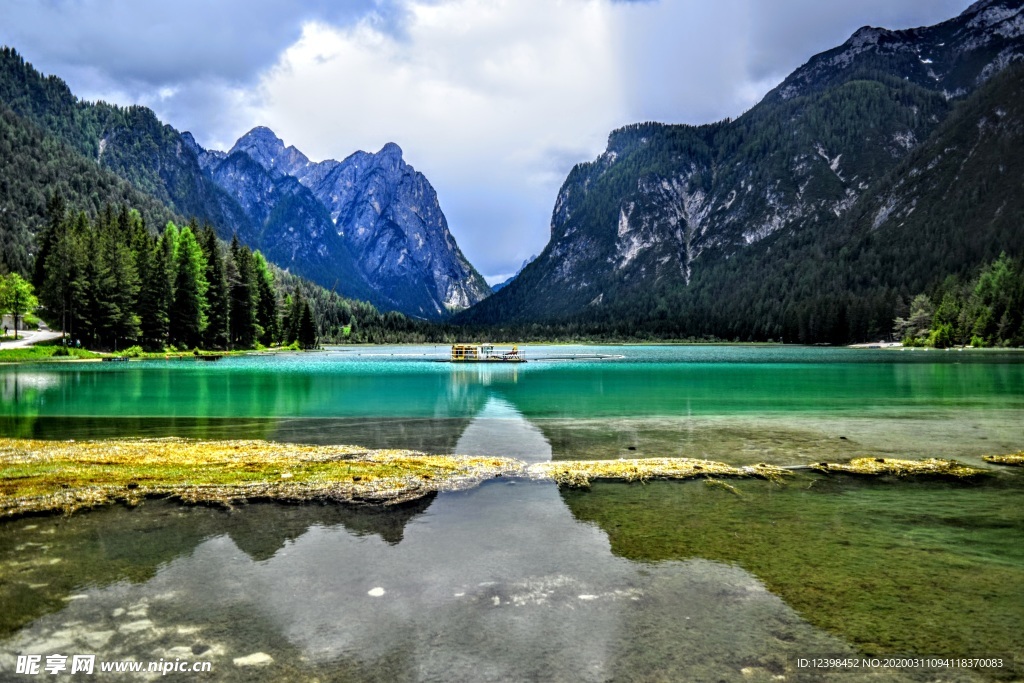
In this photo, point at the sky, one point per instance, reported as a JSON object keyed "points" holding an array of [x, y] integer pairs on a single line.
{"points": [[493, 100]]}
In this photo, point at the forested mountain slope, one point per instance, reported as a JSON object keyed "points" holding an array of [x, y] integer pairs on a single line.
{"points": [[35, 166], [45, 180], [422, 274], [875, 170], [155, 160]]}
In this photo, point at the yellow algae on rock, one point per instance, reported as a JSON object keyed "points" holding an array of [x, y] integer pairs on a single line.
{"points": [[580, 472], [64, 476], [1016, 459], [902, 468]]}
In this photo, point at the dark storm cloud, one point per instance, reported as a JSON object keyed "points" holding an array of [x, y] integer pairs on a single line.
{"points": [[699, 62], [783, 39], [165, 42], [193, 61]]}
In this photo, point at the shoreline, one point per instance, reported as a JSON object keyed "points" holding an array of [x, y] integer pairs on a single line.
{"points": [[13, 356]]}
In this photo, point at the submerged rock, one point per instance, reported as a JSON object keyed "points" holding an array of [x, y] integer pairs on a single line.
{"points": [[255, 659]]}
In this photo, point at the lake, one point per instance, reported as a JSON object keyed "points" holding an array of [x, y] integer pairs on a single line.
{"points": [[520, 580]]}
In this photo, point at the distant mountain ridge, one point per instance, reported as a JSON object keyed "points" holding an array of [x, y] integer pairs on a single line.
{"points": [[783, 223], [953, 57], [505, 283], [404, 261]]}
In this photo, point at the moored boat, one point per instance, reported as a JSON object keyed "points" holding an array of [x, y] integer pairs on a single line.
{"points": [[485, 353]]}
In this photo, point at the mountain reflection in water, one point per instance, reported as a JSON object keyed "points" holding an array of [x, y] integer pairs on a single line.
{"points": [[496, 583]]}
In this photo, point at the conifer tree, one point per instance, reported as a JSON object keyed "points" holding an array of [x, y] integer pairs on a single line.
{"points": [[55, 215], [63, 287], [188, 312], [216, 335], [244, 301], [171, 235], [124, 293], [157, 291], [152, 288], [307, 328], [293, 316], [99, 315], [266, 313]]}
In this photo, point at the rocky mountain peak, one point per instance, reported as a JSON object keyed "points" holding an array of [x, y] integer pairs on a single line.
{"points": [[259, 142], [190, 142], [376, 207], [389, 158], [392, 219], [390, 150], [990, 12], [867, 35], [206, 158], [264, 147], [953, 57]]}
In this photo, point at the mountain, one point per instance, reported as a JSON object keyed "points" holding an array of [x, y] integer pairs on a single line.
{"points": [[289, 225], [164, 166], [870, 173], [384, 212], [406, 259]]}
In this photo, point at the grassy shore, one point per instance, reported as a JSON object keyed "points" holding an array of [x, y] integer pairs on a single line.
{"points": [[580, 473], [42, 352], [138, 354], [51, 351], [927, 467], [65, 476]]}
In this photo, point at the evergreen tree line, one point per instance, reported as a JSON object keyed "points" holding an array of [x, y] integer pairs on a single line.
{"points": [[110, 283], [986, 310]]}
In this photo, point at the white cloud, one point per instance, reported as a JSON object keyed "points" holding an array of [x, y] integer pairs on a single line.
{"points": [[492, 101], [682, 59]]}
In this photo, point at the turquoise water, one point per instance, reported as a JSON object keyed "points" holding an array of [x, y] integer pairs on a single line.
{"points": [[524, 581], [403, 382], [693, 397]]}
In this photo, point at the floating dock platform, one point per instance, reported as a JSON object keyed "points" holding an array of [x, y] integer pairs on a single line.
{"points": [[485, 353]]}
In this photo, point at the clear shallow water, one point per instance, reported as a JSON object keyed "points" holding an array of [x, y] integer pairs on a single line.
{"points": [[669, 581]]}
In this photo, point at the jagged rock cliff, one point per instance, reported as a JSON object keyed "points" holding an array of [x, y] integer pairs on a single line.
{"points": [[383, 213]]}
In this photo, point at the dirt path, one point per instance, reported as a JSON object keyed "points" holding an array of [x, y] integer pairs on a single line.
{"points": [[28, 338]]}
